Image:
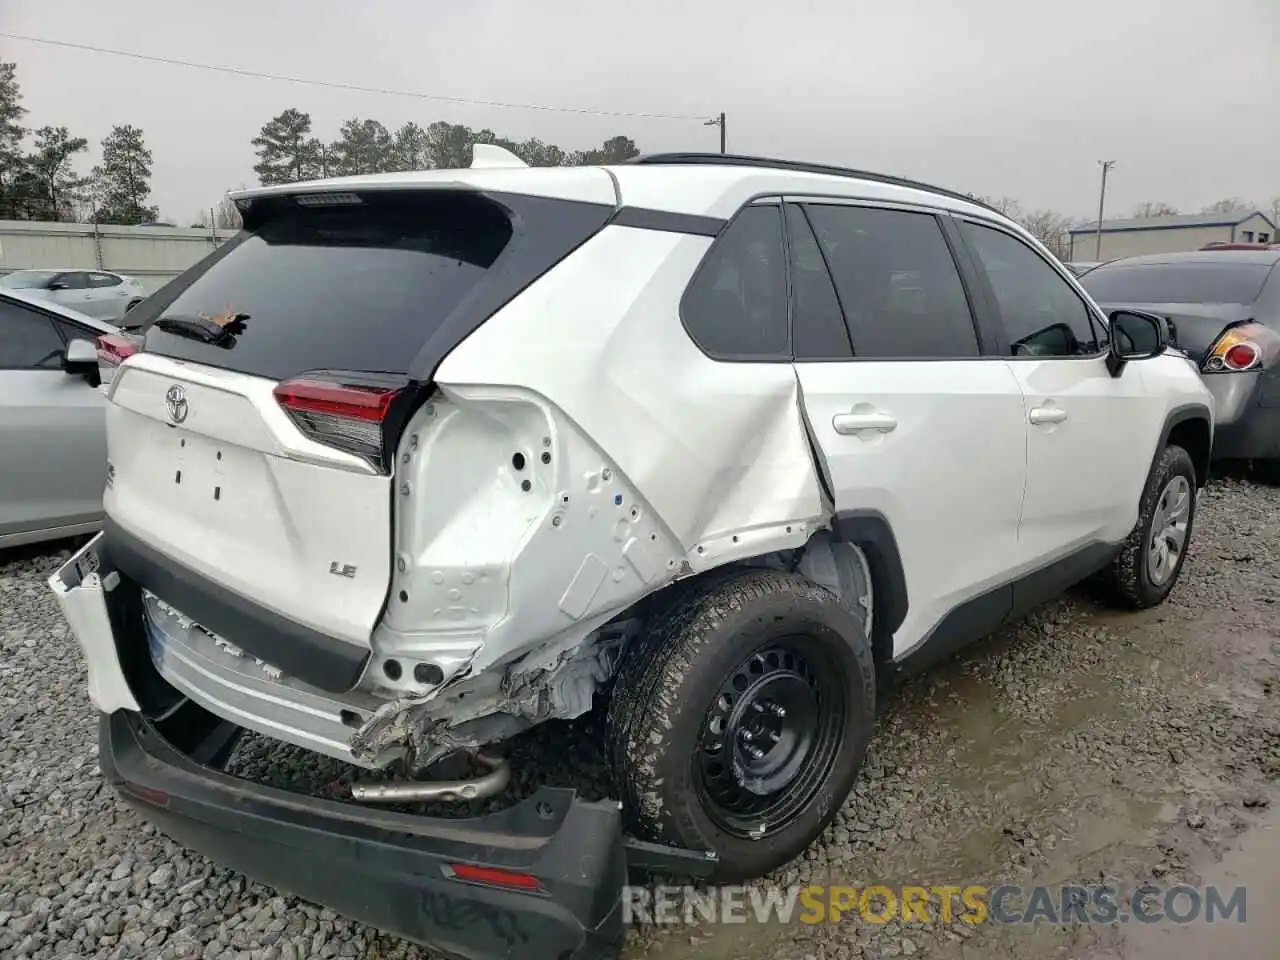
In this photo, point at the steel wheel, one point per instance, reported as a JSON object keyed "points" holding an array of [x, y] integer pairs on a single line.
{"points": [[770, 736], [1169, 526]]}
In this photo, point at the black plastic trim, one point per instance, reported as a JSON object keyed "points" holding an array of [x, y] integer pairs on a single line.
{"points": [[644, 218], [797, 166], [1182, 414], [316, 658], [544, 231], [870, 530], [387, 869], [984, 614]]}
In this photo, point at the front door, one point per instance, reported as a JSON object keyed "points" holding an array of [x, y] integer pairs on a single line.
{"points": [[912, 422], [1090, 435]]}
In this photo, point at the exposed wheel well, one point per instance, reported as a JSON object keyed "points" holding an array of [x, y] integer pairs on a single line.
{"points": [[1193, 436], [851, 570]]}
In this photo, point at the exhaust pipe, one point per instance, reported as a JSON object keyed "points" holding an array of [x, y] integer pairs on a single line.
{"points": [[412, 791]]}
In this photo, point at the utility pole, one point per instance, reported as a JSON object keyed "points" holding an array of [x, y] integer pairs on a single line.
{"points": [[1102, 199], [718, 122]]}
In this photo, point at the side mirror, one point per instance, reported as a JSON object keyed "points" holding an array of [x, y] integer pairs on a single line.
{"points": [[81, 359], [1135, 336]]}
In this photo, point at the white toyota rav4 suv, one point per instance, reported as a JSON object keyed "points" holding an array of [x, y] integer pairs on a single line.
{"points": [[422, 459]]}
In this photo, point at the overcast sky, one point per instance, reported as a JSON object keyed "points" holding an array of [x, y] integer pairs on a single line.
{"points": [[1000, 97]]}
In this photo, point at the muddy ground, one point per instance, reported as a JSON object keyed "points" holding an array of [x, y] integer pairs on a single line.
{"points": [[1080, 746]]}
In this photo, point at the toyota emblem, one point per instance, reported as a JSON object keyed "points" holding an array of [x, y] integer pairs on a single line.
{"points": [[175, 401]]}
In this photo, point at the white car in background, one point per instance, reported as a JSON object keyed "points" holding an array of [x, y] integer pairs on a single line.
{"points": [[53, 439], [96, 293]]}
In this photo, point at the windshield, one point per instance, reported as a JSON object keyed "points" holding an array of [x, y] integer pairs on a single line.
{"points": [[27, 279], [1191, 282]]}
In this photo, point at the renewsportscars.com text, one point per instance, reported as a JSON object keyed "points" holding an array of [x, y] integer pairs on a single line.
{"points": [[971, 904]]}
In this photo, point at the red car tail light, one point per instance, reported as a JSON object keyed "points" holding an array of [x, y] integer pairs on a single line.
{"points": [[344, 414], [115, 348], [1249, 346]]}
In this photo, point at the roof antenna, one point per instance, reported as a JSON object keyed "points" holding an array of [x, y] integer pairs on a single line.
{"points": [[488, 155]]}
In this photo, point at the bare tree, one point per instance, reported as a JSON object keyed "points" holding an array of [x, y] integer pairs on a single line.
{"points": [[1051, 229], [1006, 205], [225, 216], [1227, 205], [1155, 208]]}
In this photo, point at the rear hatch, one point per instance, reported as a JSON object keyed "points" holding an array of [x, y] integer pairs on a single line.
{"points": [[1199, 298], [251, 441]]}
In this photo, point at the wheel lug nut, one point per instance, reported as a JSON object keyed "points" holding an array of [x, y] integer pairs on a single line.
{"points": [[756, 752], [774, 737], [776, 710], [757, 707], [747, 735]]}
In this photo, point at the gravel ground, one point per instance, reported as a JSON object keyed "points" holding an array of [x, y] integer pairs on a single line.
{"points": [[1076, 746]]}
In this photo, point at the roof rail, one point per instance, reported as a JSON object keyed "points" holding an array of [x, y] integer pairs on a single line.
{"points": [[739, 160]]}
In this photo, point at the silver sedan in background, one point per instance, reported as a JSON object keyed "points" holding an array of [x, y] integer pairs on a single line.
{"points": [[53, 445], [97, 293]]}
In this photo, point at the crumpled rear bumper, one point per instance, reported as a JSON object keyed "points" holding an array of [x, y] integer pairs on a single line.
{"points": [[541, 880], [555, 864]]}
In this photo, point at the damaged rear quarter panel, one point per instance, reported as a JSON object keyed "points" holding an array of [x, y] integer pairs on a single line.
{"points": [[717, 450]]}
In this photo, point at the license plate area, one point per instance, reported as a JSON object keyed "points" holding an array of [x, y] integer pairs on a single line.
{"points": [[73, 573], [204, 469]]}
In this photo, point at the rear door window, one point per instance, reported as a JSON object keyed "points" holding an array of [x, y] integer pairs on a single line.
{"points": [[355, 286], [898, 283]]}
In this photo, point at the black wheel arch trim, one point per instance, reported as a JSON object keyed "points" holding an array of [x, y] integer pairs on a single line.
{"points": [[1183, 414], [870, 530]]}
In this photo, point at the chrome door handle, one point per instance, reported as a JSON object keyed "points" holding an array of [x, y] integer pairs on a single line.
{"points": [[846, 423], [1047, 414]]}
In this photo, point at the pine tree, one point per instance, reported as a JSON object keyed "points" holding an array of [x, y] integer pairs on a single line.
{"points": [[122, 181], [287, 153]]}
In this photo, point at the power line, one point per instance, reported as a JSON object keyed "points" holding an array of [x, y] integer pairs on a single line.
{"points": [[338, 85]]}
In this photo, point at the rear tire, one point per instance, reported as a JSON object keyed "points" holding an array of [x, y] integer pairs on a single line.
{"points": [[1151, 561], [740, 719]]}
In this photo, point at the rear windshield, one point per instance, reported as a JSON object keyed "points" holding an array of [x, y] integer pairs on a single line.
{"points": [[1193, 282], [359, 286]]}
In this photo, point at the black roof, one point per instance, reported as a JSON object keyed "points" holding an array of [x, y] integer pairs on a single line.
{"points": [[797, 166]]}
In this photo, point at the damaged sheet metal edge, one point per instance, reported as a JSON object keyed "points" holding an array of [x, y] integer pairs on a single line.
{"points": [[528, 687], [729, 529]]}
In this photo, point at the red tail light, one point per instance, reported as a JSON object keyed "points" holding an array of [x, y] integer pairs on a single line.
{"points": [[114, 349], [495, 877], [1246, 346], [344, 415]]}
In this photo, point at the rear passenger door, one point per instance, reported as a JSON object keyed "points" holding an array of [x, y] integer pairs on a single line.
{"points": [[1090, 435], [107, 296], [912, 422]]}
